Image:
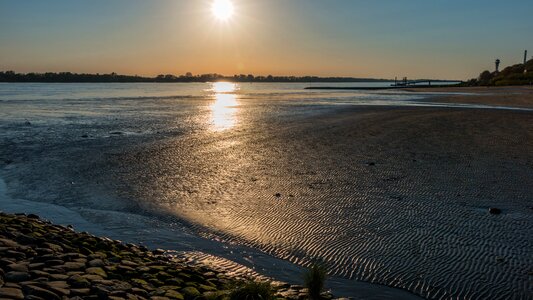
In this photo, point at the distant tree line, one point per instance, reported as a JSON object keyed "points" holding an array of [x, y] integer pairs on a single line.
{"points": [[518, 74], [10, 76]]}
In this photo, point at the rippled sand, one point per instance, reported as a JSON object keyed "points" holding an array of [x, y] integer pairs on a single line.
{"points": [[392, 195], [398, 197]]}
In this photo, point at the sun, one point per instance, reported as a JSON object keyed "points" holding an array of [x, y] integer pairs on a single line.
{"points": [[222, 9]]}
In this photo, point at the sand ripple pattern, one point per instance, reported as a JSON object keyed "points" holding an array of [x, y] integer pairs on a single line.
{"points": [[396, 196], [375, 203], [228, 267]]}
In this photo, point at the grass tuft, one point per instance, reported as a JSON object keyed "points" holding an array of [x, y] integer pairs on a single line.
{"points": [[314, 281], [253, 291]]}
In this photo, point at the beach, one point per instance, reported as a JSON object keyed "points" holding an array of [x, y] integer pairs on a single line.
{"points": [[519, 96], [391, 188]]}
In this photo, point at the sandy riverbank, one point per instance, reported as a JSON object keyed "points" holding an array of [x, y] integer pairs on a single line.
{"points": [[519, 96], [391, 195]]}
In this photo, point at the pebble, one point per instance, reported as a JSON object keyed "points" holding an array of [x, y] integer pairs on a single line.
{"points": [[36, 266], [54, 262], [58, 276], [96, 271], [15, 276], [18, 267], [80, 292], [73, 266], [96, 263], [8, 243], [11, 293], [78, 282], [40, 292]]}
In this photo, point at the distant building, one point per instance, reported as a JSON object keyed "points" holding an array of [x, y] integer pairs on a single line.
{"points": [[497, 62]]}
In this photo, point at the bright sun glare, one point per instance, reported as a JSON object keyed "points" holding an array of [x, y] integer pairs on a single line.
{"points": [[222, 9]]}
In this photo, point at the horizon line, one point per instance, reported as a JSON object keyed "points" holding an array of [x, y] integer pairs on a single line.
{"points": [[220, 76]]}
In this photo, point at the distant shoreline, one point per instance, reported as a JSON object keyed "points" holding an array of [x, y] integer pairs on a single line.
{"points": [[377, 87], [207, 81], [68, 77]]}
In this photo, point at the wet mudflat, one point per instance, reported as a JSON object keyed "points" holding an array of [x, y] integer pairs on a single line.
{"points": [[391, 194]]}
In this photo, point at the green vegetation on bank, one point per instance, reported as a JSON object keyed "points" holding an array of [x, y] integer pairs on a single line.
{"points": [[314, 280], [253, 291], [512, 75]]}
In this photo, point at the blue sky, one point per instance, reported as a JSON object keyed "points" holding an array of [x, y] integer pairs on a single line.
{"points": [[380, 38]]}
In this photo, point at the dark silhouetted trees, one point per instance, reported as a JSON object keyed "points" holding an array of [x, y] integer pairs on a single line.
{"points": [[485, 77], [518, 74], [10, 76]]}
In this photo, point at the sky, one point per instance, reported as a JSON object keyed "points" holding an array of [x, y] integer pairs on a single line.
{"points": [[445, 39]]}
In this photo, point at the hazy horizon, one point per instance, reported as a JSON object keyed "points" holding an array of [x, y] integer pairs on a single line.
{"points": [[228, 76], [448, 40]]}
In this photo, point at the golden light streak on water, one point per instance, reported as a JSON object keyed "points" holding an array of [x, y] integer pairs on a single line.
{"points": [[225, 106]]}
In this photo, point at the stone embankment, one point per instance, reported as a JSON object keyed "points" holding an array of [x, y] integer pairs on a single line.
{"points": [[40, 260]]}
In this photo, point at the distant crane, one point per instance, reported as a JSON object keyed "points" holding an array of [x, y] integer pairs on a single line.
{"points": [[497, 62]]}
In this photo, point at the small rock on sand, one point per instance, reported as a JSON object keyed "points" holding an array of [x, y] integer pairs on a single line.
{"points": [[495, 211]]}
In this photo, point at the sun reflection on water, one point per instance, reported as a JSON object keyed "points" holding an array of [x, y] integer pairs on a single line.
{"points": [[224, 108]]}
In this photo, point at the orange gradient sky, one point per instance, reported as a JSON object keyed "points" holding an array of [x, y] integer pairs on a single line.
{"points": [[440, 39]]}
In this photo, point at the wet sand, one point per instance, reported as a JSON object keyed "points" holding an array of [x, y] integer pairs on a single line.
{"points": [[520, 96], [395, 196], [392, 195]]}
